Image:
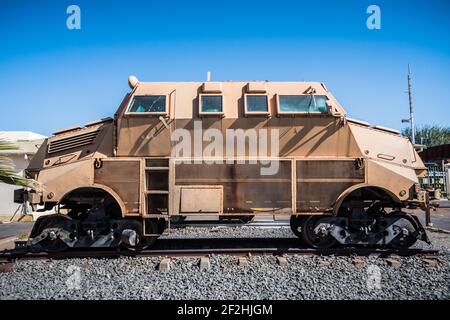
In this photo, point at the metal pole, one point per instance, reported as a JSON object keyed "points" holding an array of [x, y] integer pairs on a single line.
{"points": [[411, 112], [444, 179], [428, 222]]}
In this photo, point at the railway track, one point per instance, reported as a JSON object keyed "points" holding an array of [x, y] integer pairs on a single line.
{"points": [[206, 247]]}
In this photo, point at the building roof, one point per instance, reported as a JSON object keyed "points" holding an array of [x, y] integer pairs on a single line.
{"points": [[436, 153], [27, 142], [14, 136]]}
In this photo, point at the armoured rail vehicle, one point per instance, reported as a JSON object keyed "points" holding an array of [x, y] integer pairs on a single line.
{"points": [[178, 149]]}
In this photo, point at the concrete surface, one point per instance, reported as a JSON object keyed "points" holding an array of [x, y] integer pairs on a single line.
{"points": [[7, 243], [440, 218], [443, 203], [13, 229]]}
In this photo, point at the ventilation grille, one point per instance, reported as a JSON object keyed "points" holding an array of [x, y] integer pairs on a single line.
{"points": [[72, 142]]}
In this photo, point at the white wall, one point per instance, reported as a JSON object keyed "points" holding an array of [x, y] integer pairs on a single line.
{"points": [[7, 205], [20, 135], [28, 143]]}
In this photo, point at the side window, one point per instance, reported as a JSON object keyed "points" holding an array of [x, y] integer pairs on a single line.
{"points": [[302, 103], [256, 104], [211, 104], [148, 104]]}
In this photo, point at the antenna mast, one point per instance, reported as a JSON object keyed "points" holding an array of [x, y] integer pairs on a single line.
{"points": [[411, 111]]}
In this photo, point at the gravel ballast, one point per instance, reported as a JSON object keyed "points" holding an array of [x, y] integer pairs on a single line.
{"points": [[304, 277], [229, 232]]}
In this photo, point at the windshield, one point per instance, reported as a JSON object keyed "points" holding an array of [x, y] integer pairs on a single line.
{"points": [[151, 104], [305, 103]]}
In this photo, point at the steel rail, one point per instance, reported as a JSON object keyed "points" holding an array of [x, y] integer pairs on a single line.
{"points": [[204, 247]]}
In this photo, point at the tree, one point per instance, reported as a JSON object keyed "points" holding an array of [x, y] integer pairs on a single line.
{"points": [[7, 174], [430, 136]]}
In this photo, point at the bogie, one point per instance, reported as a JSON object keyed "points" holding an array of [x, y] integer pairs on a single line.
{"points": [[397, 230]]}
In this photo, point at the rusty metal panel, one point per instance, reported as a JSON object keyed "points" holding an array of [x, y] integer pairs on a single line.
{"points": [[60, 180], [123, 176], [398, 180], [143, 136], [201, 199], [244, 188], [329, 169], [377, 144], [320, 182]]}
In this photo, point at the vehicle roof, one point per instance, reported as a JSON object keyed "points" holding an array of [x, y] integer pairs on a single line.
{"points": [[183, 96]]}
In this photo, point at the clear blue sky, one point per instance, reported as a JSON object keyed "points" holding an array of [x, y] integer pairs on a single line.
{"points": [[51, 77]]}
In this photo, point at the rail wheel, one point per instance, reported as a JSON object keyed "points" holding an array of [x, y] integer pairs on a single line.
{"points": [[133, 238], [316, 236], [56, 245], [296, 225], [407, 232], [52, 223]]}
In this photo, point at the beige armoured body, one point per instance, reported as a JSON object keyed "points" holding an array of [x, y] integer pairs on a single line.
{"points": [[323, 157]]}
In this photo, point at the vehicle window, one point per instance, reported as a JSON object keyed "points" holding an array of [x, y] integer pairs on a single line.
{"points": [[211, 103], [150, 104], [305, 103], [257, 103]]}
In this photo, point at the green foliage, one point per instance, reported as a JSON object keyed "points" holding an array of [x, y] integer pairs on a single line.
{"points": [[7, 174], [430, 136]]}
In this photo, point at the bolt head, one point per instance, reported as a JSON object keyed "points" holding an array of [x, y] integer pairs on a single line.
{"points": [[52, 235]]}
